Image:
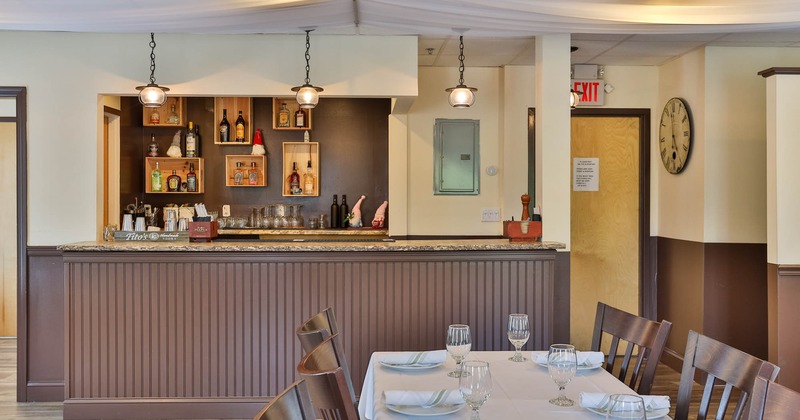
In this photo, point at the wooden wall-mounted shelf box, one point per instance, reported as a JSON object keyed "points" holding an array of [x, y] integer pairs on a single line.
{"points": [[300, 152], [234, 104], [261, 170], [293, 106], [181, 167], [164, 113]]}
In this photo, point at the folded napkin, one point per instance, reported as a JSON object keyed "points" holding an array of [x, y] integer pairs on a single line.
{"points": [[423, 398], [601, 400], [585, 358], [414, 358]]}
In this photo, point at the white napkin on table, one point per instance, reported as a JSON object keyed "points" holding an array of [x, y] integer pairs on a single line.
{"points": [[414, 358], [423, 398], [601, 400], [585, 358]]}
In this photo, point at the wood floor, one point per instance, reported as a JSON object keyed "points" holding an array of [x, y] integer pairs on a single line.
{"points": [[666, 383]]}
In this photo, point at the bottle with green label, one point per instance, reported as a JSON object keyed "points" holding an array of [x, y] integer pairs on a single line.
{"points": [[155, 179]]}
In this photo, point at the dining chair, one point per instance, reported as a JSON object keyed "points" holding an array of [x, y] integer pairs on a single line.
{"points": [[645, 342], [721, 362], [773, 401], [328, 383], [316, 329], [293, 403]]}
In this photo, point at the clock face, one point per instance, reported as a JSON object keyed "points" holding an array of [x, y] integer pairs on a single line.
{"points": [[675, 135]]}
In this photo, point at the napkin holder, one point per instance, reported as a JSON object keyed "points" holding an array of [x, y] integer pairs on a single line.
{"points": [[513, 231], [203, 231]]}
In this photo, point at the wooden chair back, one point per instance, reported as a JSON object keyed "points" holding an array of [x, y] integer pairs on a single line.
{"points": [[293, 403], [721, 362], [773, 401], [329, 385], [645, 342], [316, 329]]}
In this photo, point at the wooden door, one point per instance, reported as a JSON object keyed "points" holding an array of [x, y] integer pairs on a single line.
{"points": [[605, 234], [8, 225]]}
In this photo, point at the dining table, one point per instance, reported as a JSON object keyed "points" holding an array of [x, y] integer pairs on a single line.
{"points": [[520, 390]]}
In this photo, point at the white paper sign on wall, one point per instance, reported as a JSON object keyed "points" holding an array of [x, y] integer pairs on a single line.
{"points": [[586, 174]]}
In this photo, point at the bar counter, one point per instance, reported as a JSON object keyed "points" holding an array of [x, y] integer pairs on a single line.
{"points": [[206, 330]]}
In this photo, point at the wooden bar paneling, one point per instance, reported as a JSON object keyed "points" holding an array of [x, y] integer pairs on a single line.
{"points": [[221, 325]]}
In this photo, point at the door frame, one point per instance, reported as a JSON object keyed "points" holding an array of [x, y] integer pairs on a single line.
{"points": [[21, 120], [647, 247]]}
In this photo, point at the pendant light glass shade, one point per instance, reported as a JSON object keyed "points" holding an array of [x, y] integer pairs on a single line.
{"points": [[307, 94], [461, 96], [152, 95], [574, 98]]}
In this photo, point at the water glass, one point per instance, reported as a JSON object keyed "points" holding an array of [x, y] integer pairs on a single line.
{"points": [[459, 343], [626, 406], [518, 335], [562, 363], [475, 384]]}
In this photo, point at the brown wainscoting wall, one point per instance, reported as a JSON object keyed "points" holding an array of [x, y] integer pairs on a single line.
{"points": [[784, 322], [716, 289], [43, 319], [218, 328]]}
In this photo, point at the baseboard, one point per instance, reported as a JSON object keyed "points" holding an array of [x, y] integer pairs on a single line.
{"points": [[45, 391], [161, 408]]}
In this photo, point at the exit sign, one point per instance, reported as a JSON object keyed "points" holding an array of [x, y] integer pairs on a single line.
{"points": [[593, 93]]}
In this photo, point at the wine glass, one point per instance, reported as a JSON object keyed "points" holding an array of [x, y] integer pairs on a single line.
{"points": [[562, 363], [626, 406], [459, 344], [475, 385], [518, 334]]}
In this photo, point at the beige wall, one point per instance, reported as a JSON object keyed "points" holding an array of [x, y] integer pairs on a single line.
{"points": [[65, 72]]}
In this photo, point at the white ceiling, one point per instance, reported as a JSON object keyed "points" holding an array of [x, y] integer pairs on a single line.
{"points": [[496, 32]]}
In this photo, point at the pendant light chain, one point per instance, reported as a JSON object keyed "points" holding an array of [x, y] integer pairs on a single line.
{"points": [[461, 60], [152, 58], [308, 57]]}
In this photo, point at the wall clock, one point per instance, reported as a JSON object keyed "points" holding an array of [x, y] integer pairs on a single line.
{"points": [[675, 135]]}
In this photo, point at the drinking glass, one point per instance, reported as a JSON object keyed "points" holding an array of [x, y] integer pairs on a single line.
{"points": [[459, 344], [562, 363], [475, 385], [626, 406], [518, 334]]}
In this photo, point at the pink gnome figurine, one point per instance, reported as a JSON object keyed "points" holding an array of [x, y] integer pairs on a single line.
{"points": [[355, 216], [380, 216]]}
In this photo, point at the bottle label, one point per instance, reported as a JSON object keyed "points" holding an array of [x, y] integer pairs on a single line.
{"points": [[240, 132], [191, 183], [223, 133], [173, 184], [253, 178], [308, 187], [191, 146], [238, 178], [156, 183], [300, 119]]}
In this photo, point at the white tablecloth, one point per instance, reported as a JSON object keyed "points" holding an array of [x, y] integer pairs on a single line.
{"points": [[520, 390]]}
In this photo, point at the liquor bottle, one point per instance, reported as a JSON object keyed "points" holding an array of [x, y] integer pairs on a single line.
{"points": [[155, 179], [335, 220], [153, 148], [155, 117], [191, 179], [224, 128], [191, 141], [344, 211], [173, 182], [240, 129], [238, 174], [252, 174], [198, 141], [283, 116], [294, 181], [173, 116], [299, 118], [309, 180]]}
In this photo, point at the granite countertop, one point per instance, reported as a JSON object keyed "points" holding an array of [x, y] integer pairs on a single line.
{"points": [[328, 246]]}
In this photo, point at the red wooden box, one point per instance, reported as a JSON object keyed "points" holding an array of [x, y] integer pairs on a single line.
{"points": [[202, 231], [513, 231]]}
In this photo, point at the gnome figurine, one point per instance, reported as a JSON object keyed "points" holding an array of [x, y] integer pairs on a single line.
{"points": [[380, 216], [258, 144], [175, 148], [355, 216]]}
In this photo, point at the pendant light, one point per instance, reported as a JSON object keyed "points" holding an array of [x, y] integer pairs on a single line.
{"points": [[152, 95], [461, 96], [574, 98], [307, 94]]}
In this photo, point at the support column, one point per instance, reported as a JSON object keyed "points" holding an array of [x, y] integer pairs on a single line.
{"points": [[553, 135]]}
